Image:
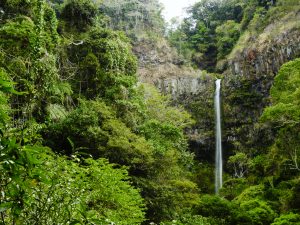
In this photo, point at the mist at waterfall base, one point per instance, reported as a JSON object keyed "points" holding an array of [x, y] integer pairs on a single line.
{"points": [[218, 133]]}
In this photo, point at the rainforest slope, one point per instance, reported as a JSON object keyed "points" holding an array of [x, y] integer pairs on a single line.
{"points": [[83, 142]]}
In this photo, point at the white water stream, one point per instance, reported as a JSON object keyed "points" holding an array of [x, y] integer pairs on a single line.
{"points": [[219, 160]]}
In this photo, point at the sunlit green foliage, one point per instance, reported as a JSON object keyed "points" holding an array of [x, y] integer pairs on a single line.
{"points": [[288, 219], [139, 19], [227, 35], [188, 219], [285, 93], [256, 212], [6, 86], [106, 65], [215, 208], [41, 188], [27, 46], [159, 107], [285, 114], [232, 188], [209, 32], [93, 128]]}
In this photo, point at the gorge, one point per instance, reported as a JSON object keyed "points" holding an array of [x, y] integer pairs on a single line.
{"points": [[109, 115]]}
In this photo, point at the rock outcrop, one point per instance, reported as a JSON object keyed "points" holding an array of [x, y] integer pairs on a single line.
{"points": [[184, 86], [196, 94], [249, 77], [265, 59], [157, 59]]}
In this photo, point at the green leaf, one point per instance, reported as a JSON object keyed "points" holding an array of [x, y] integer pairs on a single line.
{"points": [[5, 206]]}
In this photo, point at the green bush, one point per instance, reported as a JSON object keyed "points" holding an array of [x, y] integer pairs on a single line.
{"points": [[227, 35], [106, 63], [18, 36], [41, 188], [28, 46], [253, 192], [287, 219], [93, 128], [233, 188], [188, 219], [215, 207], [79, 14], [6, 87], [13, 7], [284, 114], [257, 212]]}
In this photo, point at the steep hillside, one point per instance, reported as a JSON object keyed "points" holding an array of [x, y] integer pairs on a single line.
{"points": [[270, 41], [158, 60], [143, 23]]}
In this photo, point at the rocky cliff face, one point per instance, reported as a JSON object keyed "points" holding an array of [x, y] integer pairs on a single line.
{"points": [[265, 59], [157, 59], [250, 74], [196, 95], [182, 86]]}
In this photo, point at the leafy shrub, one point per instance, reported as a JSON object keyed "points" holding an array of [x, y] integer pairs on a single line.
{"points": [[13, 7], [107, 65], [227, 36], [284, 113], [6, 87], [93, 129], [189, 219], [215, 208], [28, 47], [285, 93], [256, 212], [37, 185], [253, 192], [18, 36], [287, 219], [79, 14], [233, 188]]}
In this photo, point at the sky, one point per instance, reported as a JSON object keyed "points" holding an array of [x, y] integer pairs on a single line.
{"points": [[175, 8]]}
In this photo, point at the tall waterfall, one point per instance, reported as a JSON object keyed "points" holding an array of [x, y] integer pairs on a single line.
{"points": [[219, 160]]}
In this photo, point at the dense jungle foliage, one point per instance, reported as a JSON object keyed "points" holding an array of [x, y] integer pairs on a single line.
{"points": [[82, 142]]}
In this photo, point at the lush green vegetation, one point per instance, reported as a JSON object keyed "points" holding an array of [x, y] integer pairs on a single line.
{"points": [[139, 19], [82, 142], [118, 149], [213, 28], [210, 32]]}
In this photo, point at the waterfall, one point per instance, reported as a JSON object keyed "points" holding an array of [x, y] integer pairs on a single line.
{"points": [[219, 160]]}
